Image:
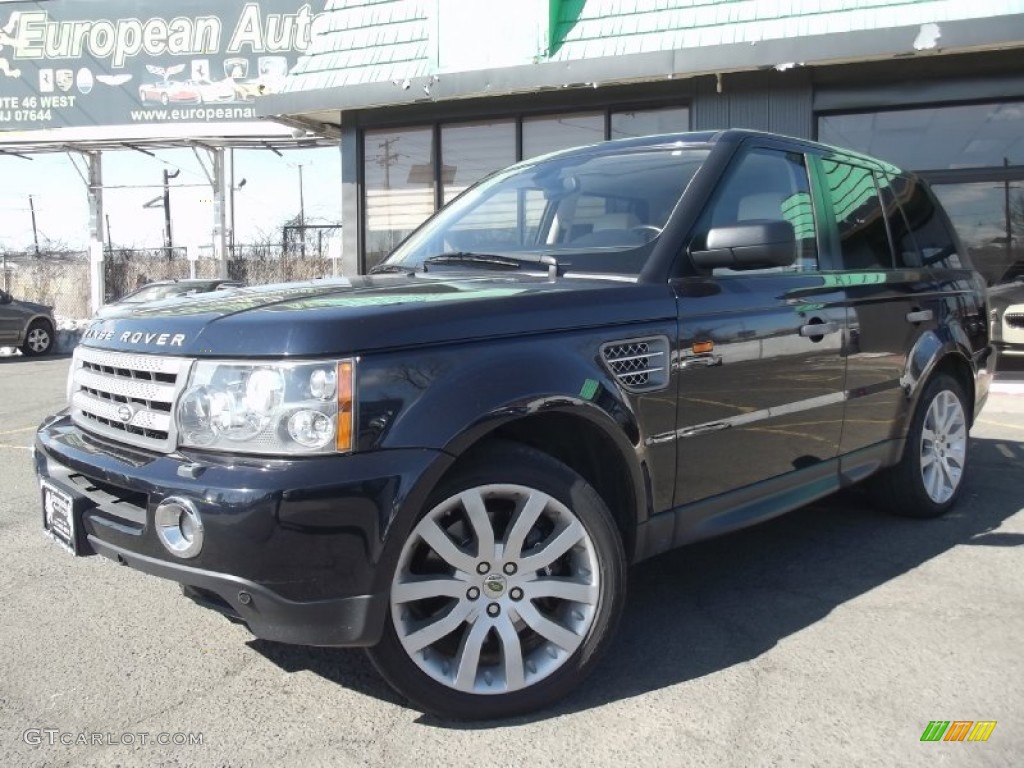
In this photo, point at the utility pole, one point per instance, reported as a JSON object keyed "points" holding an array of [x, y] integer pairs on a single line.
{"points": [[110, 241], [35, 232], [1009, 222], [302, 214], [168, 238]]}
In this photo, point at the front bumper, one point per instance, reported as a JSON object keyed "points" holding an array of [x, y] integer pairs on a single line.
{"points": [[295, 549]]}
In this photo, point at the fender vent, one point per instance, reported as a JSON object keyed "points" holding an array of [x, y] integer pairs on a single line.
{"points": [[640, 365], [1014, 319]]}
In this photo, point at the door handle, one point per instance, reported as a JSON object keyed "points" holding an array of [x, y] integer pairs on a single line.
{"points": [[920, 316], [819, 329]]}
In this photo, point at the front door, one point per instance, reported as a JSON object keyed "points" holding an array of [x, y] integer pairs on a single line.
{"points": [[760, 353]]}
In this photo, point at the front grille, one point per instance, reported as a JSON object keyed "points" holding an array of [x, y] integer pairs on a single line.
{"points": [[639, 364], [1014, 319], [127, 397]]}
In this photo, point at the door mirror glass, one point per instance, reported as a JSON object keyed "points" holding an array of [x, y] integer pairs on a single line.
{"points": [[5, 297]]}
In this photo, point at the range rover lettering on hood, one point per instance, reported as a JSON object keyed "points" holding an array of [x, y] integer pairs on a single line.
{"points": [[138, 337]]}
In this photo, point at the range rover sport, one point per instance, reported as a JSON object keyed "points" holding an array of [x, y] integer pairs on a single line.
{"points": [[585, 360]]}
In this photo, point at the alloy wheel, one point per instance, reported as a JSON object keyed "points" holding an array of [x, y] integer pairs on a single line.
{"points": [[495, 589], [943, 446], [38, 340]]}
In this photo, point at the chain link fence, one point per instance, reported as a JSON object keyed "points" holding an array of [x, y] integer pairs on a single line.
{"points": [[61, 279]]}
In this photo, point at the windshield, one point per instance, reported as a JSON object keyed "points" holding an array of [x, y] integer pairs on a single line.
{"points": [[598, 211], [157, 292]]}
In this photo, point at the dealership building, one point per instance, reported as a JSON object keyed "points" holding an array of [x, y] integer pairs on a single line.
{"points": [[422, 98], [428, 97]]}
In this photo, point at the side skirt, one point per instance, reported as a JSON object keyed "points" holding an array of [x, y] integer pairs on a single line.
{"points": [[762, 501]]}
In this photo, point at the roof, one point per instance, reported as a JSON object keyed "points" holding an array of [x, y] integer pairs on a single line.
{"points": [[385, 52], [365, 41]]}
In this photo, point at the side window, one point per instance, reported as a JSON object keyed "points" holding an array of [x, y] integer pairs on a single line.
{"points": [[859, 216], [894, 190], [765, 186], [929, 231]]}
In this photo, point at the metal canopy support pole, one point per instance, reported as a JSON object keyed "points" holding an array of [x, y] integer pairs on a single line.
{"points": [[96, 251], [220, 249]]}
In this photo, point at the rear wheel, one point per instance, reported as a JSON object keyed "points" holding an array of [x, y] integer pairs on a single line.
{"points": [[39, 339], [506, 590], [929, 477]]}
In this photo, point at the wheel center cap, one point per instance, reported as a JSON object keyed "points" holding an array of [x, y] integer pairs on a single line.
{"points": [[494, 585]]}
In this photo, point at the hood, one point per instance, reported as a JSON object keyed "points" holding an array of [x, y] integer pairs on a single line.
{"points": [[32, 306], [348, 317]]}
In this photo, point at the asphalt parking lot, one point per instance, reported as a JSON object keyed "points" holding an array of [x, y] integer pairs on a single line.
{"points": [[831, 636]]}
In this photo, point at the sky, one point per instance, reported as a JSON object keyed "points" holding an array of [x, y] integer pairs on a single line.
{"points": [[269, 197]]}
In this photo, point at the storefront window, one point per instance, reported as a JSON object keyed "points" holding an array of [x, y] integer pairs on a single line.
{"points": [[470, 151], [549, 134], [650, 122], [989, 217], [399, 172], [933, 138], [401, 179]]}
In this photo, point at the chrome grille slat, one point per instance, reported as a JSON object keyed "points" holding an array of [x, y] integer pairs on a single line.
{"points": [[127, 397], [131, 361], [135, 389], [106, 409], [638, 364]]}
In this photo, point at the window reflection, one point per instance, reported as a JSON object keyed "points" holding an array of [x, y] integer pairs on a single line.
{"points": [[989, 216], [933, 138], [554, 132], [399, 187], [470, 151], [650, 122]]}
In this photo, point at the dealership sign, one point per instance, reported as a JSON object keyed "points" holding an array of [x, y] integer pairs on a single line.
{"points": [[75, 63]]}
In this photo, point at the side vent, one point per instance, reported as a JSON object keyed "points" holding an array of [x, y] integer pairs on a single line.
{"points": [[640, 365]]}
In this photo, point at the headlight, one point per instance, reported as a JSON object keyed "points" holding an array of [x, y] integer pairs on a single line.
{"points": [[268, 408]]}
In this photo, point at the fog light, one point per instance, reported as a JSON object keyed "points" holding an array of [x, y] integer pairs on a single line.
{"points": [[179, 527]]}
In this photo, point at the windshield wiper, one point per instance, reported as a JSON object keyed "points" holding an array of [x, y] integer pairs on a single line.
{"points": [[492, 260], [474, 259], [381, 269]]}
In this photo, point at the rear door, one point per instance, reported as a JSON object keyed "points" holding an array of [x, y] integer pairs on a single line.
{"points": [[760, 351], [893, 300]]}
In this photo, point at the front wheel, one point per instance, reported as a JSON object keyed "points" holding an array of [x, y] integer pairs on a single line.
{"points": [[506, 590], [929, 477]]}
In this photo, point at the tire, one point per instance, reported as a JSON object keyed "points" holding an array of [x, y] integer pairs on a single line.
{"points": [[930, 476], [38, 339], [519, 590]]}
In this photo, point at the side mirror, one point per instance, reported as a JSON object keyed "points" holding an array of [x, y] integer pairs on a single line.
{"points": [[750, 245], [5, 297]]}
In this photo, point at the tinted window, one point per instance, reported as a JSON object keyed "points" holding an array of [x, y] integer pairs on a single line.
{"points": [[471, 151], [859, 216], [766, 185], [930, 138], [928, 230], [399, 170], [991, 231], [894, 189]]}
